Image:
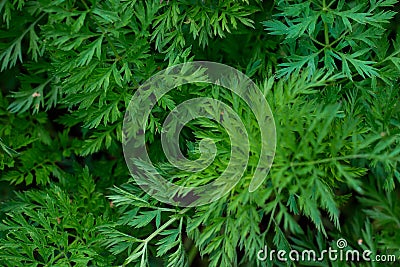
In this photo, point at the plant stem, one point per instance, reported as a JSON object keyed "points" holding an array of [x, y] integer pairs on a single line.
{"points": [[117, 56], [326, 30], [192, 254], [156, 232], [326, 160]]}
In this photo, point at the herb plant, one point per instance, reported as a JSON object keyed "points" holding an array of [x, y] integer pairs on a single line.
{"points": [[329, 70]]}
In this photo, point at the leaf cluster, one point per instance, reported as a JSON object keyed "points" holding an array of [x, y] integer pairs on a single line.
{"points": [[329, 70]]}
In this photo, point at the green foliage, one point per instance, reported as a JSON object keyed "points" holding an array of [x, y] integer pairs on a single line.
{"points": [[329, 70], [352, 31], [52, 227]]}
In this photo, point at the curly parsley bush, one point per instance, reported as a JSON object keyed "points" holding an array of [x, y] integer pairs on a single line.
{"points": [[329, 69]]}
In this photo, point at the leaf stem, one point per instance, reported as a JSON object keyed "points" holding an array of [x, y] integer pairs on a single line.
{"points": [[326, 30], [326, 160], [192, 254], [118, 57], [158, 231]]}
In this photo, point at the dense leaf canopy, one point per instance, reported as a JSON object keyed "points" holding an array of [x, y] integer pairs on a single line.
{"points": [[329, 70]]}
